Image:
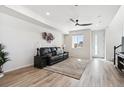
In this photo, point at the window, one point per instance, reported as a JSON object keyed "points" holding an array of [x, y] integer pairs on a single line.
{"points": [[77, 41], [96, 48]]}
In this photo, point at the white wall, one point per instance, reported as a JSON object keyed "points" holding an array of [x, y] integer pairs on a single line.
{"points": [[21, 39], [114, 33], [85, 51]]}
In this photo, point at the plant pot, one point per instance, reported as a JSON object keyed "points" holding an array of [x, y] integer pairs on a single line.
{"points": [[1, 75]]}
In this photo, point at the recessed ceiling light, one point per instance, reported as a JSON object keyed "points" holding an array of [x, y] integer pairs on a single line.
{"points": [[47, 13]]}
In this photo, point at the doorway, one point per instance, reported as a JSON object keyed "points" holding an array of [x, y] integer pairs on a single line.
{"points": [[98, 44]]}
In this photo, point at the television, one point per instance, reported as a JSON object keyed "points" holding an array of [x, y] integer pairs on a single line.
{"points": [[122, 42]]}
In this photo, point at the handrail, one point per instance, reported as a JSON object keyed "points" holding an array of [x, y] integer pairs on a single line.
{"points": [[116, 47]]}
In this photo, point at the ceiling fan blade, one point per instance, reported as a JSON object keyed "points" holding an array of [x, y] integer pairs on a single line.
{"points": [[72, 20], [85, 24]]}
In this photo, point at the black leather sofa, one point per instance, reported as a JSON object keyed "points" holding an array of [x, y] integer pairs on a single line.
{"points": [[52, 55]]}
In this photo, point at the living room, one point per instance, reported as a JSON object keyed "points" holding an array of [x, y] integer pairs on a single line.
{"points": [[59, 45]]}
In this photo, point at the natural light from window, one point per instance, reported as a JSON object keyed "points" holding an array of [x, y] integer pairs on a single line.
{"points": [[77, 41]]}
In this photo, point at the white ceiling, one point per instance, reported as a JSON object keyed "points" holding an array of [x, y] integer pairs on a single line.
{"points": [[99, 15]]}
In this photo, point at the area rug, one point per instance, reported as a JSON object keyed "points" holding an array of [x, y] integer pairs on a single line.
{"points": [[72, 67]]}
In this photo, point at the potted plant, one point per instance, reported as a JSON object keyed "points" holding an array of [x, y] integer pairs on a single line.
{"points": [[3, 59]]}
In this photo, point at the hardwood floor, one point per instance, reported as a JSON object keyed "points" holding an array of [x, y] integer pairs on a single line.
{"points": [[97, 73]]}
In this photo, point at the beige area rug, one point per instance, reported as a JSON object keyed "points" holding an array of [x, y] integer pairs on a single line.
{"points": [[72, 67]]}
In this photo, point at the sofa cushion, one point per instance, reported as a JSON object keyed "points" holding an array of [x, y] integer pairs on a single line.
{"points": [[54, 53], [59, 51], [57, 57], [44, 51], [53, 49], [49, 55], [60, 55], [53, 58]]}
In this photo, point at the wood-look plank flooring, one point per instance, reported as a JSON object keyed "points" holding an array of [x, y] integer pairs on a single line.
{"points": [[98, 73]]}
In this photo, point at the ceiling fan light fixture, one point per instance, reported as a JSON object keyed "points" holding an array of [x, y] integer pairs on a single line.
{"points": [[77, 24]]}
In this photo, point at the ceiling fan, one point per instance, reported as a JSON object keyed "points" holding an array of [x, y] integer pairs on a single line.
{"points": [[77, 24]]}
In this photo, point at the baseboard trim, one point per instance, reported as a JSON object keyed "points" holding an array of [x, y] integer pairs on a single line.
{"points": [[18, 68]]}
